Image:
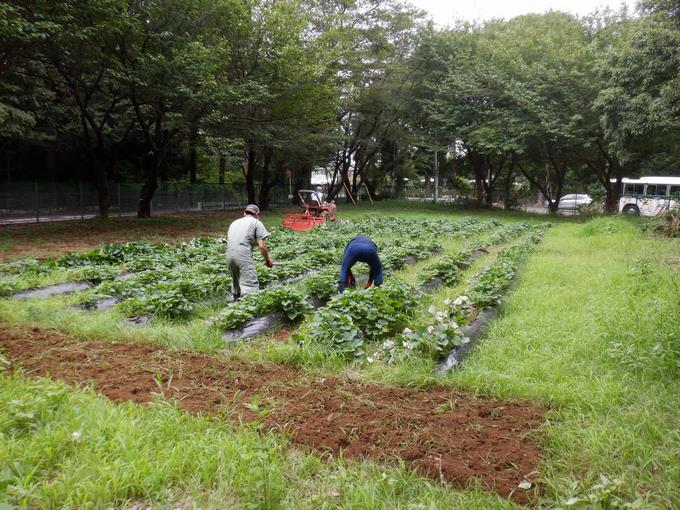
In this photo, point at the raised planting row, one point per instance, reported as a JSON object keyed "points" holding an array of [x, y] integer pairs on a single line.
{"points": [[351, 322], [447, 270], [317, 288], [300, 297], [174, 292], [357, 317], [443, 327], [169, 280]]}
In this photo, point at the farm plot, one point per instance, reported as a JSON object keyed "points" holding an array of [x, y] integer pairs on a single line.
{"points": [[570, 400], [168, 281], [188, 285], [491, 440], [397, 324]]}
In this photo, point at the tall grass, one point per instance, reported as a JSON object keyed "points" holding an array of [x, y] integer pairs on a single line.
{"points": [[593, 329], [72, 449]]}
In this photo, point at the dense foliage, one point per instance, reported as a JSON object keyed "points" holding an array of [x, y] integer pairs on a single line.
{"points": [[260, 91]]}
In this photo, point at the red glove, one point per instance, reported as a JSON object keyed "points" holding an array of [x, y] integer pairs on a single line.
{"points": [[368, 284], [269, 263], [351, 282]]}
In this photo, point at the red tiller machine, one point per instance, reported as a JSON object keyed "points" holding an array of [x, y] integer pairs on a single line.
{"points": [[315, 213]]}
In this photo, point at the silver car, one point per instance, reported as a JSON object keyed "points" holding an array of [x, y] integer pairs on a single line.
{"points": [[572, 201]]}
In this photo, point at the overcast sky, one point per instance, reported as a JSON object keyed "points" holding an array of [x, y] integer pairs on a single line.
{"points": [[444, 12]]}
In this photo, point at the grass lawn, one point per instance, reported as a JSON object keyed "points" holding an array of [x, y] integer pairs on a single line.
{"points": [[589, 331]]}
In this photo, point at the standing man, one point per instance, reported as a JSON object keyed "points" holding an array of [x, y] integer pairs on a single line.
{"points": [[360, 249], [242, 237]]}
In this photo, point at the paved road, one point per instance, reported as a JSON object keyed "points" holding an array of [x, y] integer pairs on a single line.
{"points": [[57, 217]]}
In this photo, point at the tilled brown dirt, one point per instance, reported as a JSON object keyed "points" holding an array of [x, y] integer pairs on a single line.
{"points": [[47, 240], [446, 435]]}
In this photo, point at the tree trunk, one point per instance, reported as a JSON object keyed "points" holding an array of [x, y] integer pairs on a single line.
{"points": [[147, 192], [96, 158], [488, 181], [613, 194], [488, 194], [358, 162], [250, 175], [479, 188], [543, 186], [347, 188], [345, 183], [508, 188], [477, 166]]}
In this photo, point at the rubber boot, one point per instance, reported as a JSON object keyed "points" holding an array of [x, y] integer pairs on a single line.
{"points": [[236, 297]]}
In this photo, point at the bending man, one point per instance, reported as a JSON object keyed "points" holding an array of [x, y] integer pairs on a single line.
{"points": [[360, 249], [242, 237]]}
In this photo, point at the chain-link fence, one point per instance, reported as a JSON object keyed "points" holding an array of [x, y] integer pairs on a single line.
{"points": [[48, 201], [519, 199], [572, 201]]}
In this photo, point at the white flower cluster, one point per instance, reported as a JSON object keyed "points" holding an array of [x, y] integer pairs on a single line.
{"points": [[461, 301], [438, 336]]}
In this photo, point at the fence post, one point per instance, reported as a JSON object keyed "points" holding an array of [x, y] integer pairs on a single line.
{"points": [[120, 204], [37, 203]]}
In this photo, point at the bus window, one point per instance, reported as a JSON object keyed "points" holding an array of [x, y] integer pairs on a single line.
{"points": [[675, 191], [656, 190], [633, 189]]}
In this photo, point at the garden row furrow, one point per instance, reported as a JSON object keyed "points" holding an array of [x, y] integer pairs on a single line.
{"points": [[296, 299], [354, 321], [473, 309], [260, 311], [169, 281], [448, 270], [443, 331]]}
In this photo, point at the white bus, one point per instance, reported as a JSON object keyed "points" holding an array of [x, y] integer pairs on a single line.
{"points": [[650, 196]]}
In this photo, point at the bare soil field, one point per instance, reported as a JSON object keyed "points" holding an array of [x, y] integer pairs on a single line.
{"points": [[449, 436], [42, 240]]}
